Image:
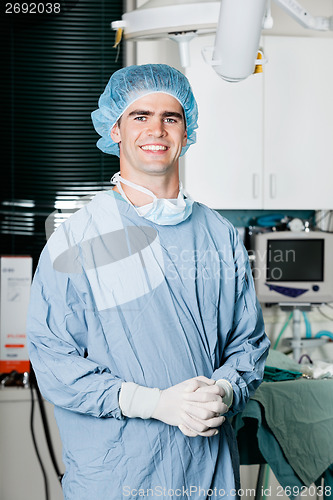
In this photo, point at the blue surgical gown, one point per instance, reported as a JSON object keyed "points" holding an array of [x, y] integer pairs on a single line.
{"points": [[118, 298]]}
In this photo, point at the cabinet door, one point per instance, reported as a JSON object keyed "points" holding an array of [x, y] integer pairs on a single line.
{"points": [[298, 102], [224, 168]]}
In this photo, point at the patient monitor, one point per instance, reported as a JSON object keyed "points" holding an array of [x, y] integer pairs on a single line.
{"points": [[294, 267]]}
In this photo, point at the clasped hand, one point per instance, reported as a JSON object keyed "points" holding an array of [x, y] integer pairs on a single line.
{"points": [[195, 406]]}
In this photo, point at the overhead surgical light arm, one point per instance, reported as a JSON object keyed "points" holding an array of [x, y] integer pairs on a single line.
{"points": [[237, 38], [237, 23], [296, 11], [239, 30]]}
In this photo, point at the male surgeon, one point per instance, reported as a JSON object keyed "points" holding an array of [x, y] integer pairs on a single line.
{"points": [[144, 328]]}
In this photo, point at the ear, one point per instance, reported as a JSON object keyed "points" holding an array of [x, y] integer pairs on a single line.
{"points": [[184, 142], [115, 133]]}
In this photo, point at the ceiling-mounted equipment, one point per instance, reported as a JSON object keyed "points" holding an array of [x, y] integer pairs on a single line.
{"points": [[237, 23], [237, 38], [158, 18], [296, 11], [177, 20]]}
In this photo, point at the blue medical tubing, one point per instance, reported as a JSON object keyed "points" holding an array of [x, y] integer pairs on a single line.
{"points": [[324, 333], [282, 330], [308, 331], [269, 220]]}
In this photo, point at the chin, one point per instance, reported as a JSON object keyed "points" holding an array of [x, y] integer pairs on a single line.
{"points": [[157, 168]]}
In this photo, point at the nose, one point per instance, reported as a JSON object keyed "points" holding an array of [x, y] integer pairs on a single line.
{"points": [[156, 127]]}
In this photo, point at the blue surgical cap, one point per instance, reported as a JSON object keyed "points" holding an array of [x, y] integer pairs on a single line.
{"points": [[129, 84]]}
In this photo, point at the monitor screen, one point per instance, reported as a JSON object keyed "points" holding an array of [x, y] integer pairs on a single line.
{"points": [[295, 260]]}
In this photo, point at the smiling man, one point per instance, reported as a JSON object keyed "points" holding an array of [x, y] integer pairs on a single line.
{"points": [[151, 135], [144, 329], [154, 125]]}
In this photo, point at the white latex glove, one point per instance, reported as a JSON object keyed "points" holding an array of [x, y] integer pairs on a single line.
{"points": [[195, 406], [208, 412]]}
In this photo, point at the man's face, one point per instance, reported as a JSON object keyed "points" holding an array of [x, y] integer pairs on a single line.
{"points": [[151, 135]]}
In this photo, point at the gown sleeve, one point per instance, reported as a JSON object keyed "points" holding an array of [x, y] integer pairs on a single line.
{"points": [[246, 346], [59, 318]]}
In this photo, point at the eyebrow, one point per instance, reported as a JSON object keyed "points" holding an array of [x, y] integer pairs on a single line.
{"points": [[165, 114]]}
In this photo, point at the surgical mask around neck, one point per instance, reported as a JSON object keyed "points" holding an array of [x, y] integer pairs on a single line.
{"points": [[161, 211]]}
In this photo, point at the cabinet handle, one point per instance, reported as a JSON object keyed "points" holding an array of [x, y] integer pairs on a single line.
{"points": [[272, 185], [255, 185]]}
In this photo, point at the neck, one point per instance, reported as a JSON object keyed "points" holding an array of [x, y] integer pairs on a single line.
{"points": [[161, 186]]}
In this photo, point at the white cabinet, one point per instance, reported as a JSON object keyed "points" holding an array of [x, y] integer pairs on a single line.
{"points": [[298, 123], [266, 142], [224, 168]]}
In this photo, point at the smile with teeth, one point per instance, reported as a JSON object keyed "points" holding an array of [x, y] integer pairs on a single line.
{"points": [[154, 147]]}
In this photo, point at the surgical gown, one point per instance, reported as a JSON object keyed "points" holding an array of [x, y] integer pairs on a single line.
{"points": [[118, 298]]}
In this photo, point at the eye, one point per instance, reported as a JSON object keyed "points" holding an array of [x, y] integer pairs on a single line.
{"points": [[140, 118], [170, 120]]}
